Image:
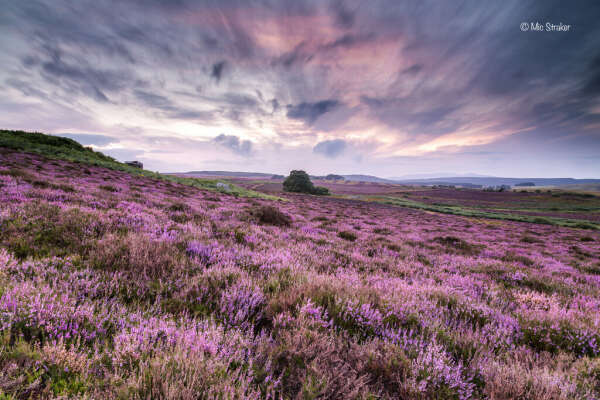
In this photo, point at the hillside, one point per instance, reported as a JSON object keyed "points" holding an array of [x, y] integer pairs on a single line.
{"points": [[59, 148], [124, 284]]}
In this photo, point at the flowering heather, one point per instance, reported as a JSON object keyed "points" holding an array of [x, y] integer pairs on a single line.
{"points": [[121, 286]]}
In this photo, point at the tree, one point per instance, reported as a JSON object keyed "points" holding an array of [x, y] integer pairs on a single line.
{"points": [[300, 182]]}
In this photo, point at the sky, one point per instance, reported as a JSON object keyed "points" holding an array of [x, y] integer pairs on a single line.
{"points": [[382, 87]]}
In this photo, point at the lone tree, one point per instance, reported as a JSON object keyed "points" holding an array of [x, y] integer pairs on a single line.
{"points": [[299, 182]]}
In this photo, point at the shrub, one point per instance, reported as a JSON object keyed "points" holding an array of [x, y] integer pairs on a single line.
{"points": [[108, 188], [347, 235], [512, 257], [178, 207], [180, 218], [382, 231], [272, 216], [529, 239], [459, 245], [584, 225], [320, 191], [300, 182]]}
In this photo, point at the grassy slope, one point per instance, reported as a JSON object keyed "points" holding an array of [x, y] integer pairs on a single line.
{"points": [[466, 212], [70, 150]]}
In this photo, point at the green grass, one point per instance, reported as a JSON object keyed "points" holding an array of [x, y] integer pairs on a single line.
{"points": [[466, 212], [60, 148]]}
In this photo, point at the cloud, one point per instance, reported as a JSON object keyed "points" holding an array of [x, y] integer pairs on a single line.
{"points": [[93, 82], [233, 143], [309, 112], [592, 85], [169, 108], [154, 100], [217, 70], [343, 16], [413, 69], [402, 76], [349, 41], [87, 139], [330, 148]]}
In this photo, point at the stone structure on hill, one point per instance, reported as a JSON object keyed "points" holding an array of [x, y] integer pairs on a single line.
{"points": [[136, 164]]}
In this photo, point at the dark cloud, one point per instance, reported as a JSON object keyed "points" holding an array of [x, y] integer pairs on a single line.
{"points": [[235, 144], [330, 148], [80, 76], [413, 69], [154, 100], [217, 70], [592, 84], [169, 109], [309, 112], [26, 88], [344, 17], [299, 55], [349, 40], [275, 105], [433, 121]]}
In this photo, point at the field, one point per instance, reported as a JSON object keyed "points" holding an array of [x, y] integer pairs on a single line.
{"points": [[549, 206], [116, 283]]}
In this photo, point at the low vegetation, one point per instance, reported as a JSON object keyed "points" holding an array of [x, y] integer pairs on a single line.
{"points": [[471, 212], [156, 289]]}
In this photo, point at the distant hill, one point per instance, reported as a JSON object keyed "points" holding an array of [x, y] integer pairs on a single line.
{"points": [[367, 178], [497, 181], [435, 176], [237, 174]]}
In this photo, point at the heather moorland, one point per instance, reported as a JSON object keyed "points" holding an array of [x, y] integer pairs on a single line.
{"points": [[117, 283]]}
